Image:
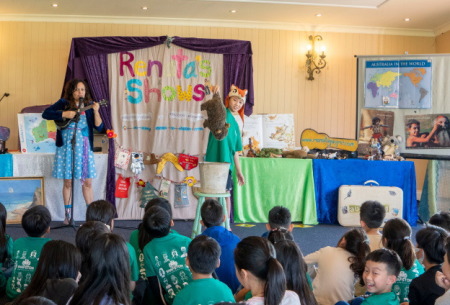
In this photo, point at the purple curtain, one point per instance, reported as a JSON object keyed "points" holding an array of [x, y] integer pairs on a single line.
{"points": [[88, 60], [95, 67]]}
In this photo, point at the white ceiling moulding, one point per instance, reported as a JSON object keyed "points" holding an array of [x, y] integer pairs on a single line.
{"points": [[334, 3], [442, 29], [221, 23]]}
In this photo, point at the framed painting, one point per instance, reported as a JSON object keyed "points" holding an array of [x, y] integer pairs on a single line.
{"points": [[19, 194]]}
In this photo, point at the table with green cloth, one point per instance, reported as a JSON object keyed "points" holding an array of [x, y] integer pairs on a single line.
{"points": [[272, 182]]}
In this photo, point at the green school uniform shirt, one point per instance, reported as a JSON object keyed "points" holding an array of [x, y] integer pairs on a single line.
{"points": [[388, 298], [165, 257], [134, 265], [223, 151], [204, 292], [404, 279], [26, 253], [134, 241]]}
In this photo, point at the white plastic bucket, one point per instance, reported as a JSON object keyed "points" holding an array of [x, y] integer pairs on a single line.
{"points": [[213, 177]]}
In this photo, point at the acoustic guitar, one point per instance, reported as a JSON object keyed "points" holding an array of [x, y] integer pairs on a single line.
{"points": [[62, 124]]}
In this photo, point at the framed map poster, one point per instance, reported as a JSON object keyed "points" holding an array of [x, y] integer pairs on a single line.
{"points": [[415, 89], [36, 134], [398, 83]]}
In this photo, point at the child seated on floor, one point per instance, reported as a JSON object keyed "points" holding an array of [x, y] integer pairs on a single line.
{"points": [[83, 240], [339, 267], [108, 280], [371, 216], [279, 219], [397, 237], [423, 290], [295, 269], [443, 278], [441, 219], [381, 270], [27, 250], [212, 218], [203, 258], [260, 272], [104, 211], [139, 239], [57, 273], [164, 255]]}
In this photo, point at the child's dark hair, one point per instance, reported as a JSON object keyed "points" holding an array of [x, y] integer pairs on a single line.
{"points": [[203, 254], [357, 243], [143, 237], [3, 237], [58, 260], [257, 255], [157, 222], [87, 233], [101, 210], [36, 221], [279, 217], [432, 241], [291, 258], [278, 235], [441, 219], [109, 273], [212, 213], [84, 238], [397, 237], [388, 257], [372, 213]]}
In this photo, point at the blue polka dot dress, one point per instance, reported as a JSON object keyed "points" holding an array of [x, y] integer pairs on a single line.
{"points": [[84, 157]]}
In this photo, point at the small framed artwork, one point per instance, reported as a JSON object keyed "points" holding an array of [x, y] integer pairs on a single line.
{"points": [[18, 194]]}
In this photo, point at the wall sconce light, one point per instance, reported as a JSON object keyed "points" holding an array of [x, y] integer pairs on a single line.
{"points": [[314, 61]]}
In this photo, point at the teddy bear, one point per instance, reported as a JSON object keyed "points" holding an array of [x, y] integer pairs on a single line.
{"points": [[216, 121], [390, 148]]}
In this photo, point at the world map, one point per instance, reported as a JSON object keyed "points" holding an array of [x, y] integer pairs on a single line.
{"points": [[398, 84], [36, 134]]}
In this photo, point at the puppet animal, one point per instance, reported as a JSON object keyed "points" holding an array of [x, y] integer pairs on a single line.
{"points": [[217, 114]]}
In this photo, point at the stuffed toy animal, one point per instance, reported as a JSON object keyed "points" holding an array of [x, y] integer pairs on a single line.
{"points": [[390, 148], [298, 154], [217, 114]]}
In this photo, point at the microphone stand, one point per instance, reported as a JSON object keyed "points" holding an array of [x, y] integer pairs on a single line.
{"points": [[72, 194]]}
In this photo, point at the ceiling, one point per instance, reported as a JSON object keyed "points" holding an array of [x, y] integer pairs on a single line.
{"points": [[427, 17]]}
